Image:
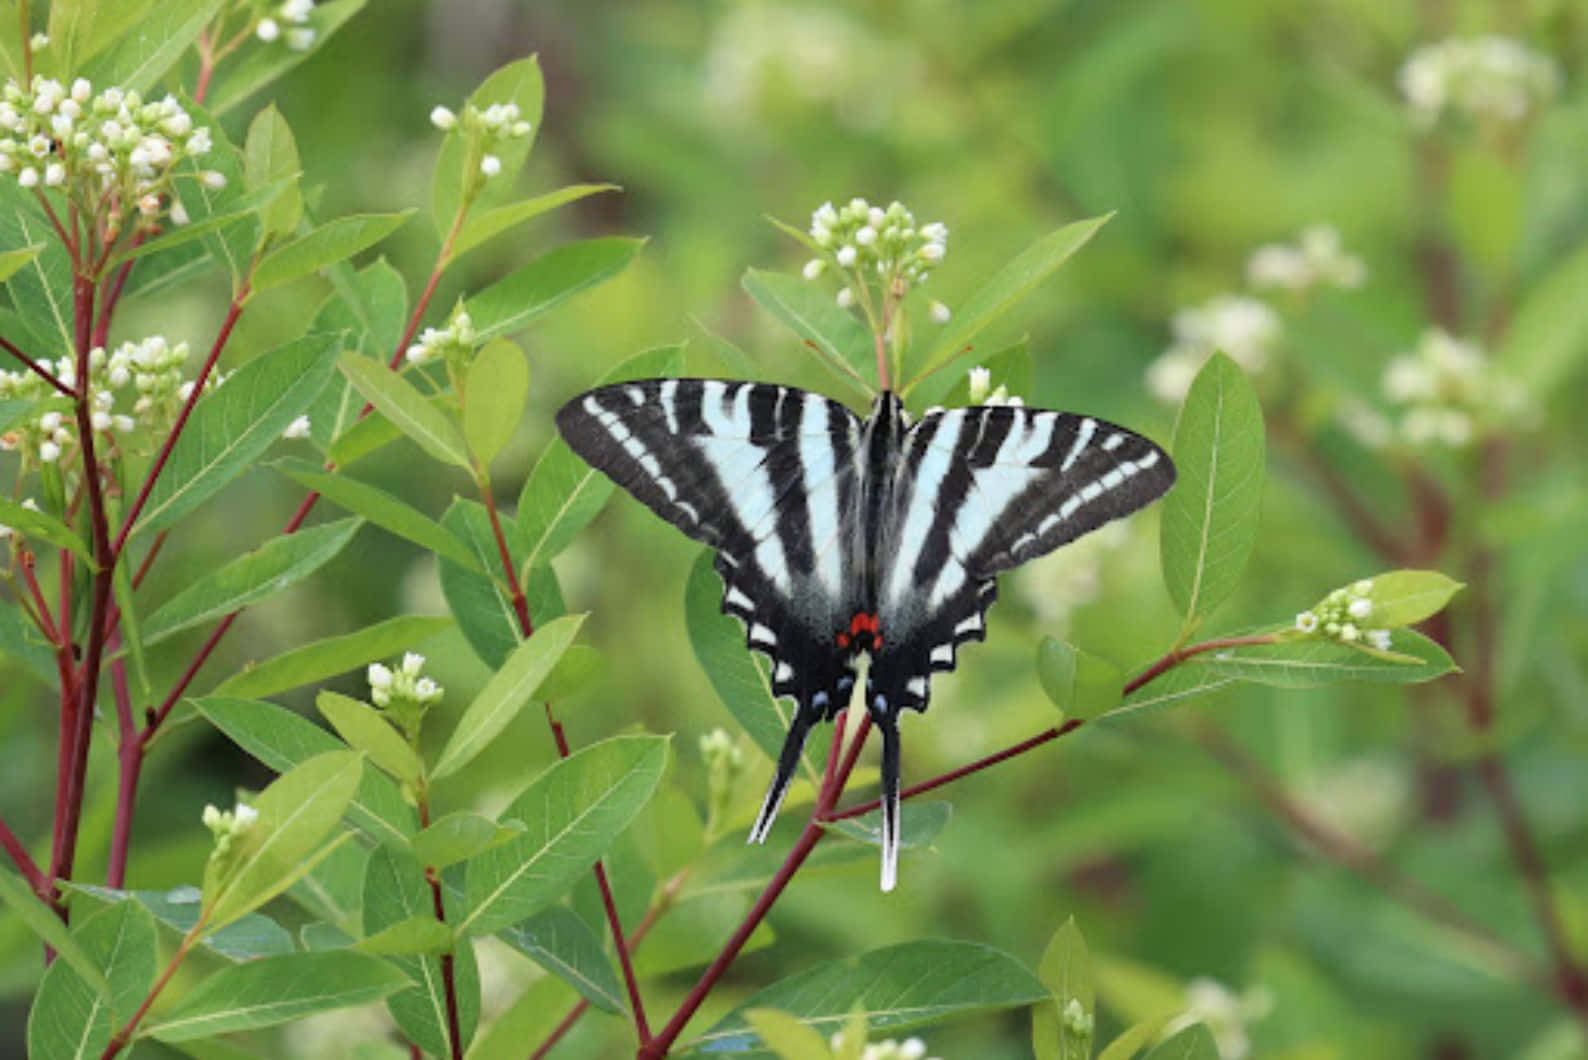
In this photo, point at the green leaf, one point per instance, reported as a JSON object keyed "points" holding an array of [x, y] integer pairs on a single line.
{"points": [[40, 526], [297, 811], [786, 1036], [41, 290], [270, 155], [1133, 1039], [696, 929], [396, 892], [334, 655], [507, 692], [416, 935], [563, 493], [71, 27], [365, 435], [74, 1018], [517, 82], [519, 297], [1010, 368], [379, 507], [574, 810], [276, 565], [281, 740], [256, 67], [12, 261], [1079, 683], [482, 226], [480, 602], [370, 307], [1007, 286], [34, 912], [810, 310], [740, 679], [328, 244], [922, 822], [574, 672], [406, 408], [493, 398], [1066, 969], [232, 426], [1210, 517], [366, 729], [1406, 597], [897, 987], [276, 990], [1193, 1043], [149, 42], [560, 941], [1548, 338], [1305, 663], [459, 836], [530, 1018], [254, 935]]}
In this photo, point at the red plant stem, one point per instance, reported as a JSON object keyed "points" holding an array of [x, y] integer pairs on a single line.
{"points": [[40, 612], [36, 368], [233, 311], [448, 975], [107, 308], [119, 1040], [558, 1032], [129, 762], [509, 568], [24, 861], [1177, 656]]}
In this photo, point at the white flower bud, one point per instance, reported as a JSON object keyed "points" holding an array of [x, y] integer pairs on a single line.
{"points": [[1307, 622], [866, 236], [179, 215], [979, 385], [82, 90], [814, 268], [941, 314], [29, 177], [49, 452], [932, 252], [1362, 586], [301, 39], [243, 816], [39, 41], [1349, 633], [413, 662], [443, 119], [1379, 638], [380, 677], [846, 256], [1360, 608], [211, 817], [268, 29], [101, 421], [490, 165], [298, 428], [212, 179], [846, 298]]}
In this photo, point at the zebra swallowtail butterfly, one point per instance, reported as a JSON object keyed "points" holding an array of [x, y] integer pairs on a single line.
{"points": [[837, 535]]}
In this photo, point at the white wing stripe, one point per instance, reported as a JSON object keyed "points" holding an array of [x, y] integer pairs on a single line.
{"points": [[821, 493], [929, 475], [669, 401], [1083, 437]]}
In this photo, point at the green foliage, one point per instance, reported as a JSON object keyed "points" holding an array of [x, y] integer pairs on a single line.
{"points": [[331, 656], [494, 396], [561, 942], [813, 315], [535, 289], [71, 1017], [329, 244], [1079, 683], [1062, 1029], [407, 409]]}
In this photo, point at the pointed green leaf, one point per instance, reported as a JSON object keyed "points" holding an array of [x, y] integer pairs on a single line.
{"points": [[1548, 338], [41, 526], [1210, 517], [297, 811], [406, 408], [42, 921], [365, 729], [739, 678], [493, 398], [1406, 597], [12, 261], [1079, 683], [148, 42], [506, 693], [922, 822], [897, 987], [459, 836], [334, 655], [563, 493], [1006, 287], [1062, 1027], [483, 608], [257, 67], [574, 810], [282, 740], [810, 310], [232, 426], [1133, 1039], [1308, 662], [276, 990], [1193, 1043], [482, 225], [416, 935], [786, 1036], [71, 27], [270, 154], [513, 301], [560, 941], [277, 564], [72, 1018], [370, 307], [519, 82], [254, 935], [328, 244], [396, 892], [379, 507]]}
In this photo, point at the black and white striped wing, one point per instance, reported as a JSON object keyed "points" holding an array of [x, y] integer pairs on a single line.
{"points": [[768, 476]]}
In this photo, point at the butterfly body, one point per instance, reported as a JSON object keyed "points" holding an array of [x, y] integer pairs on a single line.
{"points": [[837, 536]]}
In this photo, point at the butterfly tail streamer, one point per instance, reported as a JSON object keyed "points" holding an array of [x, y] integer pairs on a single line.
{"points": [[788, 761], [889, 725]]}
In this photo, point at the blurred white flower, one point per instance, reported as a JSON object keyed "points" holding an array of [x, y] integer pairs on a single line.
{"points": [[1224, 1013], [1489, 78], [1449, 390], [298, 428], [1317, 259]]}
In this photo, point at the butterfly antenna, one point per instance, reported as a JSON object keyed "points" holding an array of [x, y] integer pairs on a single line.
{"points": [[889, 724], [788, 760]]}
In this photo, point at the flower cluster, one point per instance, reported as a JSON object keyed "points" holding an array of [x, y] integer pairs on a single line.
{"points": [[1245, 328], [1447, 390], [151, 370], [1224, 1013], [228, 825], [114, 150], [492, 125], [298, 35], [1316, 260], [1077, 1021], [862, 240], [981, 392], [1344, 615], [1488, 78], [888, 1049], [404, 683], [457, 338]]}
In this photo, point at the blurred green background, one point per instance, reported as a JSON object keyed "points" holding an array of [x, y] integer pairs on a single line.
{"points": [[1211, 127]]}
